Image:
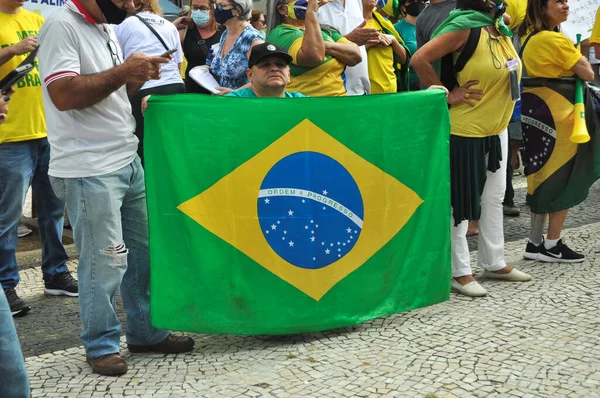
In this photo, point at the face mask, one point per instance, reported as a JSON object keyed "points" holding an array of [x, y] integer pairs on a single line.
{"points": [[414, 9], [200, 17], [297, 9], [112, 13], [222, 16]]}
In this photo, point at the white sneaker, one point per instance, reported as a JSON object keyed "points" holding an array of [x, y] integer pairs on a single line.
{"points": [[23, 231], [471, 289]]}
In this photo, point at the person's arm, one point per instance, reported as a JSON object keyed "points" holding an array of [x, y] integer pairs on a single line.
{"points": [[361, 35], [390, 40], [181, 24], [25, 46], [583, 69], [346, 53], [312, 50], [434, 50], [79, 92]]}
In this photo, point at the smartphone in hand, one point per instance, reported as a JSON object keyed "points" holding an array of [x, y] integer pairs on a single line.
{"points": [[168, 53]]}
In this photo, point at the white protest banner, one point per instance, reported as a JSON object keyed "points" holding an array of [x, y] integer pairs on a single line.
{"points": [[581, 19], [43, 7]]}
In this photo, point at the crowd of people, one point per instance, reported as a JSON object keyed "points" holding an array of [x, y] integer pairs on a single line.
{"points": [[75, 129]]}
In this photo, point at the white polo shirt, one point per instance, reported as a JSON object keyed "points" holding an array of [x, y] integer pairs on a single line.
{"points": [[98, 139], [134, 37]]}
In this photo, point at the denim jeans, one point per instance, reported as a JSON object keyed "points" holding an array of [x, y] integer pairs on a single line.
{"points": [[14, 381], [110, 226], [22, 164]]}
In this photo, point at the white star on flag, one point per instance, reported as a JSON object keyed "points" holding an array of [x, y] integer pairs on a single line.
{"points": [[327, 251], [312, 221], [331, 244], [325, 192], [349, 230], [290, 212], [312, 238], [267, 201], [312, 232], [291, 243], [273, 227], [306, 227], [284, 232]]}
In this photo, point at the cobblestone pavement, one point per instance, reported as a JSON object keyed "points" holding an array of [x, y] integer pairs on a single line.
{"points": [[536, 339]]}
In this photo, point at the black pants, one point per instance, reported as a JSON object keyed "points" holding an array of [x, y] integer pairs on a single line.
{"points": [[136, 109], [509, 195]]}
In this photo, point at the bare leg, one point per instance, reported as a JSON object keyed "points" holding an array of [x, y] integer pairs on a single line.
{"points": [[557, 221]]}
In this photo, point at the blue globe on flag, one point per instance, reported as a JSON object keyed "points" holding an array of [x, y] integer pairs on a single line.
{"points": [[310, 210]]}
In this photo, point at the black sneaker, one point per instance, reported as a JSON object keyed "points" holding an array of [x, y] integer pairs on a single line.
{"points": [[560, 254], [532, 251], [511, 210], [62, 285], [17, 306]]}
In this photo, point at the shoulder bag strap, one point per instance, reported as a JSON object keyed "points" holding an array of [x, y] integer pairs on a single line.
{"points": [[153, 31]]}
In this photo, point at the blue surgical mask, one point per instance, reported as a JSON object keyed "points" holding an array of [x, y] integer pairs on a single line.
{"points": [[200, 17]]}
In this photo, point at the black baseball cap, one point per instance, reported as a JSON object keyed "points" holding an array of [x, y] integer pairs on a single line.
{"points": [[264, 50]]}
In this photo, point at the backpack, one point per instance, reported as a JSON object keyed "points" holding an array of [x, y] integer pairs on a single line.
{"points": [[449, 69]]}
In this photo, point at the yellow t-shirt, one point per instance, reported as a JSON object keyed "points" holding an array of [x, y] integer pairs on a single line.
{"points": [[25, 119], [549, 54], [516, 9], [492, 114], [381, 65], [595, 39], [324, 80]]}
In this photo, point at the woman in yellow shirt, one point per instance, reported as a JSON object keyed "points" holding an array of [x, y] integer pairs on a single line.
{"points": [[381, 55], [319, 57], [548, 53], [480, 110]]}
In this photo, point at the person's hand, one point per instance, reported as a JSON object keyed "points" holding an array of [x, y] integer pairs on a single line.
{"points": [[26, 45], [434, 86], [386, 40], [145, 103], [321, 3], [224, 90], [142, 68], [465, 94], [361, 35], [181, 23], [4, 99]]}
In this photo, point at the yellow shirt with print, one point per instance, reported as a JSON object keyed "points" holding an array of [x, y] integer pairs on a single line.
{"points": [[381, 65], [25, 119], [595, 39], [491, 115], [324, 80], [549, 54]]}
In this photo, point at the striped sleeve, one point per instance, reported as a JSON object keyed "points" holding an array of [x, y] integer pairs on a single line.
{"points": [[58, 54]]}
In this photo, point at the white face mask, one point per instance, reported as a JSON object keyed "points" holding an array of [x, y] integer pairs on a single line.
{"points": [[200, 17]]}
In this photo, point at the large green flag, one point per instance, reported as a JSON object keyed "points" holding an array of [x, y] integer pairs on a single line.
{"points": [[559, 172], [275, 216]]}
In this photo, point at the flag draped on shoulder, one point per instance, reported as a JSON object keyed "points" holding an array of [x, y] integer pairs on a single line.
{"points": [[294, 215], [559, 172]]}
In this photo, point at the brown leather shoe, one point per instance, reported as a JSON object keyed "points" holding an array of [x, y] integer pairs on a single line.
{"points": [[108, 365], [171, 345]]}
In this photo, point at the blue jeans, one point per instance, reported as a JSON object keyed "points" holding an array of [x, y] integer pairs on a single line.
{"points": [[110, 226], [23, 164], [14, 381]]}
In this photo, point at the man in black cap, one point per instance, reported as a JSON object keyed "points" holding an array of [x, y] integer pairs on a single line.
{"points": [[268, 72]]}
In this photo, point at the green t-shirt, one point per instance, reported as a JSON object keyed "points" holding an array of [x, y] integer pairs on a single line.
{"points": [[248, 93], [408, 32]]}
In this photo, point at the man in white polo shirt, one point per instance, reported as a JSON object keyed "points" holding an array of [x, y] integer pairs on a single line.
{"points": [[94, 168]]}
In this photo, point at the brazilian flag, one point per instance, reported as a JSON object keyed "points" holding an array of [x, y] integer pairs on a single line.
{"points": [[559, 172], [276, 216]]}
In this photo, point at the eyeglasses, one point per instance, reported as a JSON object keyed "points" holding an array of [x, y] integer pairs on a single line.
{"points": [[201, 8], [112, 48]]}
